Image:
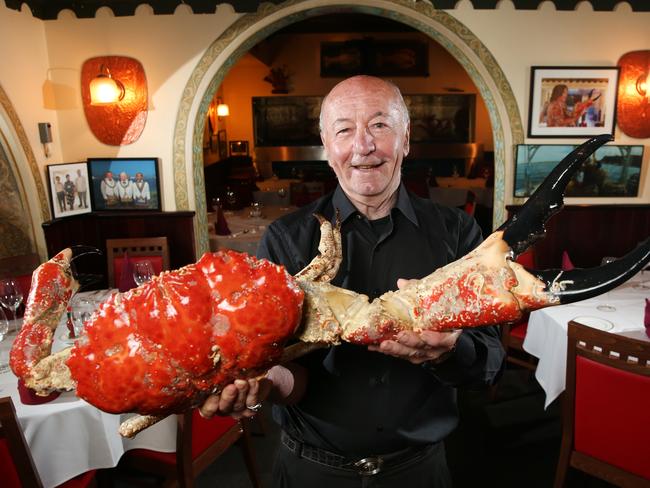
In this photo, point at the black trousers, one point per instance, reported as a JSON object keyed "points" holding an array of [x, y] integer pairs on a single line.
{"points": [[427, 469]]}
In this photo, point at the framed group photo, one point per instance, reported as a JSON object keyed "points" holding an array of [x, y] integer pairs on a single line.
{"points": [[124, 184], [572, 101], [69, 185]]}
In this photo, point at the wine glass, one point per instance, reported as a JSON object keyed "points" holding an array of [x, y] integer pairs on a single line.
{"points": [[282, 193], [4, 326], [82, 310], [231, 198], [607, 307], [11, 296], [142, 272]]}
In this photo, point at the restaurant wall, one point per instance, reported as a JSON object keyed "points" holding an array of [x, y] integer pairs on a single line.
{"points": [[41, 63]]}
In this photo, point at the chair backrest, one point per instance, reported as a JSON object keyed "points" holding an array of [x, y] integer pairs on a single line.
{"points": [[16, 463], [154, 249], [607, 404]]}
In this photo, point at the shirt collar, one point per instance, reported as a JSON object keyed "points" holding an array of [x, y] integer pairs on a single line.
{"points": [[345, 207]]}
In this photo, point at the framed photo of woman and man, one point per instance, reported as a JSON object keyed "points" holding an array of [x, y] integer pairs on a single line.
{"points": [[572, 101], [68, 189]]}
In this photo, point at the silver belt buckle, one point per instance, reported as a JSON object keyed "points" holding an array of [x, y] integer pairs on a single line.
{"points": [[369, 466]]}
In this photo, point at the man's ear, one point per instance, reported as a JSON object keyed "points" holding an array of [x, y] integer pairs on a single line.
{"points": [[407, 140], [322, 140]]}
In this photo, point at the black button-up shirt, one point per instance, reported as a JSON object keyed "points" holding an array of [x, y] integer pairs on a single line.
{"points": [[359, 402]]}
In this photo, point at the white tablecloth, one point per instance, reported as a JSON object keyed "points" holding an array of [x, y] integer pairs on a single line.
{"points": [[546, 338], [246, 231], [68, 436]]}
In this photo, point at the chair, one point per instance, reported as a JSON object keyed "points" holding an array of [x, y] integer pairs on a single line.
{"points": [[199, 442], [16, 463], [605, 408], [155, 249]]}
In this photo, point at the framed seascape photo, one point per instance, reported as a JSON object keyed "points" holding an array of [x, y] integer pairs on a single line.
{"points": [[612, 171], [69, 189], [572, 101], [124, 183]]}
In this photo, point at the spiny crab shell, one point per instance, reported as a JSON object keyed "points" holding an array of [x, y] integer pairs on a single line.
{"points": [[163, 346]]}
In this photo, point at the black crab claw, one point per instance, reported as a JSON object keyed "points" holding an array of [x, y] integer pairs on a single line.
{"points": [[527, 226], [84, 279], [581, 284]]}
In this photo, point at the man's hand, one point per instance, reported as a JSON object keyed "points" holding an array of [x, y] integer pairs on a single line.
{"points": [[418, 348], [235, 399]]}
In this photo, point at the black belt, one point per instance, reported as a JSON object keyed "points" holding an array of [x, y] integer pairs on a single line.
{"points": [[364, 466]]}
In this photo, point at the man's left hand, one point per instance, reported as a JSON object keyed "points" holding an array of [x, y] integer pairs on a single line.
{"points": [[419, 348]]}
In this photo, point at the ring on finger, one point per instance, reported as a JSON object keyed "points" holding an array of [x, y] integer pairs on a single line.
{"points": [[254, 408]]}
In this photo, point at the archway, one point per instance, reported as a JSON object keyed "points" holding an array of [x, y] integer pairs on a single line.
{"points": [[247, 31], [25, 195]]}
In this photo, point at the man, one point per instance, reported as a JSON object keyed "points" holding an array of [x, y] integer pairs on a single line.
{"points": [[125, 189], [69, 190], [82, 188], [60, 193], [141, 194], [108, 188], [344, 404]]}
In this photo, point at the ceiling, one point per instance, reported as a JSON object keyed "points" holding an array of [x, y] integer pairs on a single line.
{"points": [[49, 9]]}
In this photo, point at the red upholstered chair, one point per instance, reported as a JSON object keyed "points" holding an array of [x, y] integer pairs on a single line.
{"points": [[199, 442], [154, 249], [606, 408], [16, 464]]}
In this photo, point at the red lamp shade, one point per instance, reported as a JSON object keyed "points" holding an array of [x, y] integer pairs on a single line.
{"points": [[633, 104]]}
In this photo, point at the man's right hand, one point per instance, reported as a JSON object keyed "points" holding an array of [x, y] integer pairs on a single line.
{"points": [[236, 397]]}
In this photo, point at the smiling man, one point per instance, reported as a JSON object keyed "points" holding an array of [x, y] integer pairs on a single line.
{"points": [[353, 416]]}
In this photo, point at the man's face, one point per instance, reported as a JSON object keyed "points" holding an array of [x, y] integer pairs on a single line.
{"points": [[109, 176], [365, 137], [122, 177], [138, 177]]}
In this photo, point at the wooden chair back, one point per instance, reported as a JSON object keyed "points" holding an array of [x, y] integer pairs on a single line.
{"points": [[135, 247], [605, 407], [199, 442], [18, 468]]}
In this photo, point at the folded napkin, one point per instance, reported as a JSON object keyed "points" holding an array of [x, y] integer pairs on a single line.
{"points": [[126, 276], [29, 396], [567, 265], [221, 228], [646, 317]]}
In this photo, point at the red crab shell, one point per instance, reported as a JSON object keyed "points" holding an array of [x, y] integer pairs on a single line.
{"points": [[160, 348]]}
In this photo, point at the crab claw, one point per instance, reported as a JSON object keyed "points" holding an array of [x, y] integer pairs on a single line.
{"points": [[527, 226]]}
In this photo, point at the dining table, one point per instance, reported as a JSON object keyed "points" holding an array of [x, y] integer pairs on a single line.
{"points": [[246, 227], [620, 311], [67, 436]]}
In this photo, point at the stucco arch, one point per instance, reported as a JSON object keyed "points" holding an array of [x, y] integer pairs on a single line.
{"points": [[18, 159], [249, 29]]}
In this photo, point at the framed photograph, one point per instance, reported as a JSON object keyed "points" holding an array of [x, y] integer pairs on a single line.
{"points": [[69, 189], [222, 144], [612, 171], [572, 101], [124, 183], [395, 57], [238, 148]]}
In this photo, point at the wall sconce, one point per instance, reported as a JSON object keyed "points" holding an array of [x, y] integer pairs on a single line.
{"points": [[633, 105], [115, 101], [222, 108], [104, 89]]}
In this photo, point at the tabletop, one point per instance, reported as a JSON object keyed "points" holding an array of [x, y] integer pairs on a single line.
{"points": [[246, 231], [546, 338], [68, 436]]}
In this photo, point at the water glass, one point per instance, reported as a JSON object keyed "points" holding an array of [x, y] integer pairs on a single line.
{"points": [[282, 193], [82, 310], [607, 306], [142, 272], [11, 296], [256, 210]]}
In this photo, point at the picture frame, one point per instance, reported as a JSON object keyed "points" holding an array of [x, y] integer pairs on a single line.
{"points": [[611, 171], [238, 148], [125, 189], [394, 57], [572, 102], [64, 180], [222, 144]]}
